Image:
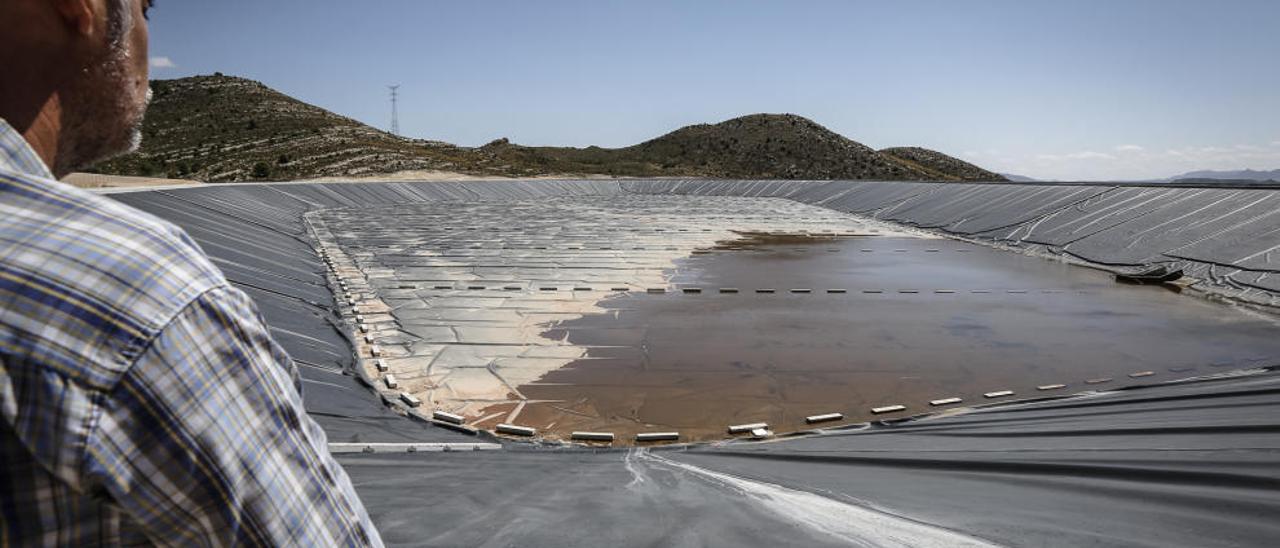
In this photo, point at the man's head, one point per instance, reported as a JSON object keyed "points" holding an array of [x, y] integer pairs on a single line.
{"points": [[73, 77]]}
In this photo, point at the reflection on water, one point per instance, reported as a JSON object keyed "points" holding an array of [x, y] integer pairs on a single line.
{"points": [[918, 320]]}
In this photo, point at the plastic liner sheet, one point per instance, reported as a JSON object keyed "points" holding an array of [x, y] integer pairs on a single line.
{"points": [[350, 413], [256, 235], [1189, 464], [1192, 464], [1223, 236], [1227, 237], [511, 498]]}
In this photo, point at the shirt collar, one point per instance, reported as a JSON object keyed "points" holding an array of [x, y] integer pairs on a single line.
{"points": [[16, 155]]}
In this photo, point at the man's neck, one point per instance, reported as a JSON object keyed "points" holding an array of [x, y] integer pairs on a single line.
{"points": [[37, 116], [42, 134]]}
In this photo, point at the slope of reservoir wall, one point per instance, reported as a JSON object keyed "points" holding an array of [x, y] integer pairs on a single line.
{"points": [[1190, 463]]}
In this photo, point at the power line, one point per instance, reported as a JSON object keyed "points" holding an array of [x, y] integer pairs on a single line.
{"points": [[395, 111]]}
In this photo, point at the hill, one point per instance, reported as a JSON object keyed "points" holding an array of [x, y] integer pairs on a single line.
{"points": [[220, 129], [759, 146], [938, 165], [1015, 178], [1215, 182], [217, 128], [764, 146], [1236, 175]]}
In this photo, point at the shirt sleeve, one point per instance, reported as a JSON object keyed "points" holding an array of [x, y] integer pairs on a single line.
{"points": [[205, 441]]}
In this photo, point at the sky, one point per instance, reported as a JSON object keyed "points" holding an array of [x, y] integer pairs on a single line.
{"points": [[1078, 90]]}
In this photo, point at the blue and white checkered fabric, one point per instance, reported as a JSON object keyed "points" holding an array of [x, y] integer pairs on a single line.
{"points": [[142, 398]]}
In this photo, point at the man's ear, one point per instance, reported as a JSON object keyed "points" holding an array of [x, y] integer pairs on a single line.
{"points": [[86, 18]]}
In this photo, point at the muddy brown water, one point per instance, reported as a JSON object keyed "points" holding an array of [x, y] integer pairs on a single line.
{"points": [[920, 320]]}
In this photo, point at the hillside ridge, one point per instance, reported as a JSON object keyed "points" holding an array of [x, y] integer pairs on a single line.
{"points": [[225, 129], [938, 164], [1238, 174]]}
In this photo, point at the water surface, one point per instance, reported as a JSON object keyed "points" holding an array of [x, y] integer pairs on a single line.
{"points": [[919, 320]]}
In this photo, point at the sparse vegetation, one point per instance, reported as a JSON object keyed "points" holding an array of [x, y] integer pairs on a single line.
{"points": [[220, 129], [938, 165], [261, 170]]}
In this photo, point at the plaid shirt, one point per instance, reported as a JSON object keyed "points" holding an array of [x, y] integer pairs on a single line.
{"points": [[142, 399]]}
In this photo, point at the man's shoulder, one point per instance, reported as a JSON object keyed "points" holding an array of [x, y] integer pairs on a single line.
{"points": [[88, 277]]}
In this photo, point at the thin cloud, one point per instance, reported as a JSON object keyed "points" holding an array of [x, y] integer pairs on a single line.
{"points": [[1129, 148], [162, 63], [1089, 155], [1083, 155]]}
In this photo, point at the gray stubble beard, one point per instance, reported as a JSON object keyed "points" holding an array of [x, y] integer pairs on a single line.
{"points": [[102, 116]]}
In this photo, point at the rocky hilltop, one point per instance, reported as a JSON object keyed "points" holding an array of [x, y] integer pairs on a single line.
{"points": [[768, 146], [219, 129], [222, 129]]}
